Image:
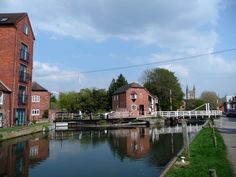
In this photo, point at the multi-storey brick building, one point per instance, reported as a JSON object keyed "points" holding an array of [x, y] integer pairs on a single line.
{"points": [[16, 60], [40, 101], [4, 105], [135, 99]]}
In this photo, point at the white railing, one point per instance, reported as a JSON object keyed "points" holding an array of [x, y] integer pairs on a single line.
{"points": [[189, 114]]}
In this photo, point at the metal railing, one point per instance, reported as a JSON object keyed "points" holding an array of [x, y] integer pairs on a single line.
{"points": [[24, 55], [22, 99], [24, 77]]}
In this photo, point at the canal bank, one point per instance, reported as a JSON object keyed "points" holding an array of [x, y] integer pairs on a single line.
{"points": [[204, 156], [18, 131]]}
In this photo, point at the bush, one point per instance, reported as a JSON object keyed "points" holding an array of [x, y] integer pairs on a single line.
{"points": [[45, 114]]}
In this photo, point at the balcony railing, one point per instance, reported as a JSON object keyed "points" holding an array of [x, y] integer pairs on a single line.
{"points": [[22, 99], [24, 77], [24, 55]]}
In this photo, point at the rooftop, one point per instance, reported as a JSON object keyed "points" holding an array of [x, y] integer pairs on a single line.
{"points": [[126, 87], [3, 87], [37, 87], [11, 18]]}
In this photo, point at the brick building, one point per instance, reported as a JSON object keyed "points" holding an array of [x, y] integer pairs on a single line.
{"points": [[40, 101], [16, 60], [4, 105], [134, 99]]}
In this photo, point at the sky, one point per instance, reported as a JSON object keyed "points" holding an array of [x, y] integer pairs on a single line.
{"points": [[76, 36]]}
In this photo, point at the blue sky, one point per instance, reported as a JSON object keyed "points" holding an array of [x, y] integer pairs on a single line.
{"points": [[80, 35]]}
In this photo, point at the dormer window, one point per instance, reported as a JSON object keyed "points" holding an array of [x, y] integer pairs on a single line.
{"points": [[3, 19], [133, 96], [25, 29]]}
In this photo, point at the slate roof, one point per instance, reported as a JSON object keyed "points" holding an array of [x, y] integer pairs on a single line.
{"points": [[37, 87], [11, 18], [126, 87], [4, 88]]}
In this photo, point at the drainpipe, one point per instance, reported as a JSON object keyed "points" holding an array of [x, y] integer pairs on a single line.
{"points": [[14, 81]]}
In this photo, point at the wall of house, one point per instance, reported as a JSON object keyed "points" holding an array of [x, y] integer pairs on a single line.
{"points": [[11, 38], [5, 110], [142, 99], [43, 105], [119, 101]]}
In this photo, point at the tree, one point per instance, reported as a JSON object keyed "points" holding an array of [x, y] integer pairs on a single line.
{"points": [[114, 85], [193, 103], [100, 99], [69, 101], [210, 97], [165, 85]]}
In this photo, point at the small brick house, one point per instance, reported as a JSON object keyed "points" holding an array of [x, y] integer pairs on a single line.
{"points": [[135, 99], [40, 101], [16, 62], [4, 105]]}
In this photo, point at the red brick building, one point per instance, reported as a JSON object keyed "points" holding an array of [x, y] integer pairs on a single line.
{"points": [[16, 60], [4, 105], [40, 101], [135, 99]]}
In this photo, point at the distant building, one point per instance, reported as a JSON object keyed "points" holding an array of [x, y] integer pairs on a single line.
{"points": [[134, 99], [16, 62], [229, 103], [190, 94], [40, 99], [4, 105]]}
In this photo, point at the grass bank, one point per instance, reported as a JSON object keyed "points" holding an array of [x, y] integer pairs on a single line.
{"points": [[204, 156]]}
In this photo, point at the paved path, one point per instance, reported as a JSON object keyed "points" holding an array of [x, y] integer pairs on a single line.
{"points": [[227, 127]]}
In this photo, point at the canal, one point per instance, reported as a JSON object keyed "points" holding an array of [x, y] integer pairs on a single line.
{"points": [[139, 152]]}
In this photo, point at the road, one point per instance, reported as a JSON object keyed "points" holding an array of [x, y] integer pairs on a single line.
{"points": [[227, 127]]}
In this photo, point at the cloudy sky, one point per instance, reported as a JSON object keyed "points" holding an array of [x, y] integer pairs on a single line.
{"points": [[76, 36]]}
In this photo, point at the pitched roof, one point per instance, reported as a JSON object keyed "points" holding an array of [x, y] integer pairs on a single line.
{"points": [[126, 87], [37, 87], [11, 18], [3, 87]]}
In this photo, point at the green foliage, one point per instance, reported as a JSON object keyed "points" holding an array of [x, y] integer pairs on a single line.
{"points": [[193, 103], [54, 102], [161, 82], [210, 97], [114, 85], [69, 101], [204, 156]]}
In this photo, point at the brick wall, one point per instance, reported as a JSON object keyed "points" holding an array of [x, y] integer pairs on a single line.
{"points": [[5, 110], [43, 105]]}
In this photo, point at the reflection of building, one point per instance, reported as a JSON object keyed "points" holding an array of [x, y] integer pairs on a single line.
{"points": [[16, 62], [134, 99], [133, 142], [190, 94], [16, 156], [40, 101]]}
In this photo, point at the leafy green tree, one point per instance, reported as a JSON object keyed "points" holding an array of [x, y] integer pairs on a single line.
{"points": [[86, 101], [54, 102], [212, 98], [120, 81], [69, 101], [100, 99], [165, 85], [193, 103]]}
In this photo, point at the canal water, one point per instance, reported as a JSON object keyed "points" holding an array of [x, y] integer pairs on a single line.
{"points": [[139, 152]]}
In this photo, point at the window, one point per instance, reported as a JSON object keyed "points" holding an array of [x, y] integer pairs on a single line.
{"points": [[117, 97], [22, 95], [24, 55], [1, 98], [25, 29], [35, 98], [35, 112], [3, 19], [133, 107], [23, 73]]}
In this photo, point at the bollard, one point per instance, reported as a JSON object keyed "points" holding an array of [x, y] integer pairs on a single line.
{"points": [[185, 138], [212, 173]]}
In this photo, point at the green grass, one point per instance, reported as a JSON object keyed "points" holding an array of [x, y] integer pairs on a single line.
{"points": [[18, 128], [204, 156]]}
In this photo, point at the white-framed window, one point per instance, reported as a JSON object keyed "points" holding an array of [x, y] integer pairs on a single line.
{"points": [[133, 107], [1, 98], [35, 112], [117, 97], [25, 29], [35, 98]]}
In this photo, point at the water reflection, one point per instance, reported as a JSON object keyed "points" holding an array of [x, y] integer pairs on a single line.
{"points": [[18, 154], [118, 152]]}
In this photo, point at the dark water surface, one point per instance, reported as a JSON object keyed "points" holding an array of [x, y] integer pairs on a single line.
{"points": [[139, 152]]}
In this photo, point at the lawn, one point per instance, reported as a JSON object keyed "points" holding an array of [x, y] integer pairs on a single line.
{"points": [[204, 156]]}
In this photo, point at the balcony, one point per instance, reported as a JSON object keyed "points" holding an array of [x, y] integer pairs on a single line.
{"points": [[22, 99], [24, 55], [24, 77]]}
